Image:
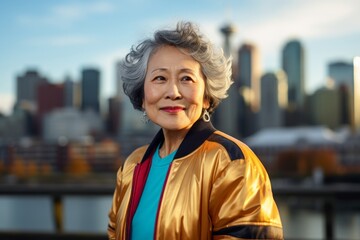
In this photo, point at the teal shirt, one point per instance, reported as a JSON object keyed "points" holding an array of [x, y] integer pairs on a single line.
{"points": [[143, 223]]}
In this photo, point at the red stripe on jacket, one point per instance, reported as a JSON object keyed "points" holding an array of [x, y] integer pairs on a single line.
{"points": [[141, 173]]}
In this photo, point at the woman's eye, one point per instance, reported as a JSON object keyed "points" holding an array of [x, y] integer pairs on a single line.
{"points": [[187, 78], [159, 78]]}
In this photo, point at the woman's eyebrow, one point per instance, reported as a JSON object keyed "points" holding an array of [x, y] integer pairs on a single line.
{"points": [[158, 69], [187, 70]]}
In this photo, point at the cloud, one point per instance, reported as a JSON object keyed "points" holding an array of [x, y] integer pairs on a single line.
{"points": [[306, 20], [62, 41], [67, 14], [77, 11]]}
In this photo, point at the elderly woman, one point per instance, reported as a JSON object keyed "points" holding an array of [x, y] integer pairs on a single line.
{"points": [[192, 181]]}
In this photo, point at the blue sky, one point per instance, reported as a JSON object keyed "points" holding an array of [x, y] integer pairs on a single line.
{"points": [[59, 38]]}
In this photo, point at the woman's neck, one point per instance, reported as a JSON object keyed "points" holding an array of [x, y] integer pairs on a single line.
{"points": [[172, 141]]}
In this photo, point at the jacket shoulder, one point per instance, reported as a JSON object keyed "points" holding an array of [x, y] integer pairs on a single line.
{"points": [[136, 155], [234, 147]]}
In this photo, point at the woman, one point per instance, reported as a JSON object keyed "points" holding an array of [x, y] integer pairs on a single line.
{"points": [[192, 181]]}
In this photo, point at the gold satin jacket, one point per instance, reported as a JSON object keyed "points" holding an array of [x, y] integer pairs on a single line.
{"points": [[216, 188]]}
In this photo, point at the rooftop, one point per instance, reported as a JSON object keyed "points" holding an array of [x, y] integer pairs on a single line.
{"points": [[296, 135]]}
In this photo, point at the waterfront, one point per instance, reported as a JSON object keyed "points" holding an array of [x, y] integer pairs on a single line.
{"points": [[88, 214]]}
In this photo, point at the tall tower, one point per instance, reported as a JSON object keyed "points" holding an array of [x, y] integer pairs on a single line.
{"points": [[90, 90], [26, 98], [346, 77], [356, 121], [325, 107], [225, 115], [342, 73], [293, 65], [27, 85], [49, 98], [227, 31], [273, 99], [69, 92], [249, 72]]}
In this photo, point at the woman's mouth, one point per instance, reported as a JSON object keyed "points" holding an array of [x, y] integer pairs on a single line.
{"points": [[172, 109]]}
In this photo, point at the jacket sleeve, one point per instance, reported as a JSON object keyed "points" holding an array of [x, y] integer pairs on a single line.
{"points": [[114, 208], [241, 204]]}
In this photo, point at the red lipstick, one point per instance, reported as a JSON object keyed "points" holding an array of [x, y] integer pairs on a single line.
{"points": [[172, 109]]}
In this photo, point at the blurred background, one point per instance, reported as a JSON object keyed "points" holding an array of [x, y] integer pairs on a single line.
{"points": [[66, 126]]}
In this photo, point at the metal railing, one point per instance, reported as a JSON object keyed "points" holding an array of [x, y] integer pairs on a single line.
{"points": [[329, 196], [56, 193]]}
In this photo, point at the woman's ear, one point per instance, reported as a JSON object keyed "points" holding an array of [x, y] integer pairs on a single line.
{"points": [[206, 103]]}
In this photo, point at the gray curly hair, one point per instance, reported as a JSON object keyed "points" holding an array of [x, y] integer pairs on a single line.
{"points": [[215, 67]]}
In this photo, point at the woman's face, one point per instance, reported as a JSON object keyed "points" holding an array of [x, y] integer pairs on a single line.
{"points": [[174, 89]]}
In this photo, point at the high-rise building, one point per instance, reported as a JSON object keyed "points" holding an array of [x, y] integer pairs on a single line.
{"points": [[114, 114], [325, 108], [90, 90], [249, 72], [226, 114], [356, 115], [247, 118], [346, 78], [342, 73], [27, 85], [345, 105], [13, 127], [293, 64], [69, 92], [274, 98], [49, 98]]}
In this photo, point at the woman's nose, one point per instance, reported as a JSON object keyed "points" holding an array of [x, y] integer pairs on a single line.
{"points": [[173, 91]]}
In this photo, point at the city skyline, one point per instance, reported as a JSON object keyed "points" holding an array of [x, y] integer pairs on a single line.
{"points": [[60, 39]]}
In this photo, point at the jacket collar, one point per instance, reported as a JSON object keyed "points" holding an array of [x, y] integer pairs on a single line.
{"points": [[197, 134]]}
